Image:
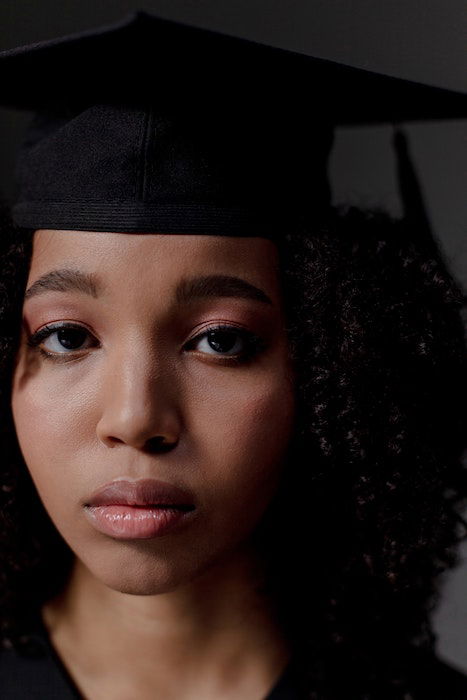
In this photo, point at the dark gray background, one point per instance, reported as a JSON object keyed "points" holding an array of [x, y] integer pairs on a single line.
{"points": [[422, 40]]}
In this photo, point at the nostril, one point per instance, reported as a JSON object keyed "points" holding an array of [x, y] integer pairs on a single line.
{"points": [[157, 444]]}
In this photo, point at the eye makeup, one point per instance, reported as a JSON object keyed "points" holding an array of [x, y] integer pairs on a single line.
{"points": [[218, 336]]}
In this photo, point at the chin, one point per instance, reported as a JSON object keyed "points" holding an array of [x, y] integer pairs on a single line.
{"points": [[136, 569]]}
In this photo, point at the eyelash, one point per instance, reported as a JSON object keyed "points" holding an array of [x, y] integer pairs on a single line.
{"points": [[254, 343]]}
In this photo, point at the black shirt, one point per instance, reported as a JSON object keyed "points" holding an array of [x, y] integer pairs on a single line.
{"points": [[43, 676]]}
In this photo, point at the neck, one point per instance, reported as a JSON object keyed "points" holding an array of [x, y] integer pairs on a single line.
{"points": [[216, 628]]}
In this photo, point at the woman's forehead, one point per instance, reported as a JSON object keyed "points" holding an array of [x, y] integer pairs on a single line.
{"points": [[136, 257]]}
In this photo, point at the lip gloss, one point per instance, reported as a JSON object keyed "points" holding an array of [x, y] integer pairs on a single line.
{"points": [[136, 522]]}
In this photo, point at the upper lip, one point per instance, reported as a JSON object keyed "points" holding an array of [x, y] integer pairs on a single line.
{"points": [[142, 492]]}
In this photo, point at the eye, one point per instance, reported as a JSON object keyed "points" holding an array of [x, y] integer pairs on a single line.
{"points": [[68, 336], [232, 344], [226, 341]]}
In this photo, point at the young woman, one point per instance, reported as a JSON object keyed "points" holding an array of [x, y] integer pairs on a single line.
{"points": [[231, 462]]}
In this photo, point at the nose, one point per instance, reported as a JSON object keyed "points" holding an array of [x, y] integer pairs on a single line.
{"points": [[138, 401]]}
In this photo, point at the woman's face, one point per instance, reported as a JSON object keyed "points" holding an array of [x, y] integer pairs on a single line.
{"points": [[139, 364]]}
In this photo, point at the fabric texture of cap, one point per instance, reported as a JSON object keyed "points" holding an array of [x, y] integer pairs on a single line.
{"points": [[159, 126]]}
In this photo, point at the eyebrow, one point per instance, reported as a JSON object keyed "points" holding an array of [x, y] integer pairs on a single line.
{"points": [[188, 289]]}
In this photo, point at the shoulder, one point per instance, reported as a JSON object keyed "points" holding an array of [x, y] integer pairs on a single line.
{"points": [[428, 678], [31, 675], [433, 678]]}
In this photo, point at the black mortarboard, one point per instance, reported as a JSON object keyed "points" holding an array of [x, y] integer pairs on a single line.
{"points": [[149, 125]]}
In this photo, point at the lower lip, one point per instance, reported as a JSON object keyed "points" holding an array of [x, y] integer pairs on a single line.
{"points": [[135, 522]]}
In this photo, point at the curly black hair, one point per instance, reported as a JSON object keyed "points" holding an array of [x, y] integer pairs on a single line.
{"points": [[369, 512]]}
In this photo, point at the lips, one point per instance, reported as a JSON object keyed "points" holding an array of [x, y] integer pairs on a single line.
{"points": [[143, 492]]}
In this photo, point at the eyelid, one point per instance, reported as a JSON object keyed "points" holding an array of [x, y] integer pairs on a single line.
{"points": [[254, 343], [35, 340], [49, 328]]}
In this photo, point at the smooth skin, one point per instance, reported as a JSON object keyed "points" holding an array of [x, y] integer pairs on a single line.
{"points": [[177, 616]]}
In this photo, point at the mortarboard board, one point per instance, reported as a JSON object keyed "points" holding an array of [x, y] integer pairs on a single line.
{"points": [[150, 125]]}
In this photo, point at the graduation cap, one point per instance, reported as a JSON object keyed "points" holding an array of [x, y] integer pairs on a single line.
{"points": [[151, 125]]}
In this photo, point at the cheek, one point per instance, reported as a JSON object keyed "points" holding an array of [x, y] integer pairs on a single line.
{"points": [[246, 428], [52, 409], [44, 420], [48, 431]]}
